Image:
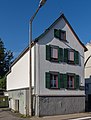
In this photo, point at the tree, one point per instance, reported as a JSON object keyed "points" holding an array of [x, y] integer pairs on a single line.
{"points": [[3, 83], [6, 57]]}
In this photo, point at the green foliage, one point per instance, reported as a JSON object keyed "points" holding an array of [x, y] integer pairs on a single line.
{"points": [[3, 83], [4, 101], [5, 59]]}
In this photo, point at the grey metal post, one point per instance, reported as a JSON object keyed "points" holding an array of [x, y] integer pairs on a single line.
{"points": [[42, 2]]}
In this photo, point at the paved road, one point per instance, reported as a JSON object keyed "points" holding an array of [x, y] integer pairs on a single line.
{"points": [[8, 115]]}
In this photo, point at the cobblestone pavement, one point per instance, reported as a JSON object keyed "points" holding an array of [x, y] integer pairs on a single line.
{"points": [[8, 115]]}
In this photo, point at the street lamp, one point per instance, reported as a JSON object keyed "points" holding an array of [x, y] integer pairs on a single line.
{"points": [[41, 3]]}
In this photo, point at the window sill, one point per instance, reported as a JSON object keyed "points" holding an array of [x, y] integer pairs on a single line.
{"points": [[82, 88], [72, 63], [54, 88], [71, 88], [53, 60], [63, 40]]}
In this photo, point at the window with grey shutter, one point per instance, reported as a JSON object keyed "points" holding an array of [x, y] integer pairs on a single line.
{"points": [[60, 34]]}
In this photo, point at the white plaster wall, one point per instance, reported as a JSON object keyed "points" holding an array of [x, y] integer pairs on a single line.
{"points": [[19, 76], [18, 95], [33, 65], [88, 65], [42, 65]]}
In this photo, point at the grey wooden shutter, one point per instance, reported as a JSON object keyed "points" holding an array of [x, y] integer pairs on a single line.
{"points": [[56, 33], [76, 57], [65, 80], [47, 78], [60, 54], [59, 82], [66, 55], [48, 52], [76, 82]]}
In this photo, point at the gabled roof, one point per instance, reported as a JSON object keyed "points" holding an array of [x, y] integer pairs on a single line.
{"points": [[55, 22], [44, 33]]}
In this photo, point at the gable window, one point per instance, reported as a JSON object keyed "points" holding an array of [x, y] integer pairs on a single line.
{"points": [[60, 34], [63, 35], [70, 81]]}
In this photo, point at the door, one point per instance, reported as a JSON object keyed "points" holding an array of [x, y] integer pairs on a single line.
{"points": [[89, 102], [17, 105]]}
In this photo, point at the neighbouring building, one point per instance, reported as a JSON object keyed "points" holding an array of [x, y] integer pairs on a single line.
{"points": [[57, 73], [88, 76]]}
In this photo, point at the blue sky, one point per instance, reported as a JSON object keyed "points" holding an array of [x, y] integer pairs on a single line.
{"points": [[15, 16]]}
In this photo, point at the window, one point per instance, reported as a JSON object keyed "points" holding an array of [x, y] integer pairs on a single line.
{"points": [[60, 34], [87, 86], [71, 56], [63, 35], [70, 81], [54, 53], [57, 54], [54, 81]]}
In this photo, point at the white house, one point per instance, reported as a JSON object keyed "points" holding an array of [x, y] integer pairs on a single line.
{"points": [[88, 61], [57, 73], [88, 76]]}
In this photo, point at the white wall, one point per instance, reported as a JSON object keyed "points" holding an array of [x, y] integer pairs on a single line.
{"points": [[42, 65], [88, 65], [19, 76]]}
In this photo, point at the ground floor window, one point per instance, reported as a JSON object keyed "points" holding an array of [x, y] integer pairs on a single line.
{"points": [[56, 80], [70, 81]]}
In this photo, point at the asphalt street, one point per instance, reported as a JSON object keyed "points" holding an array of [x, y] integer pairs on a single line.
{"points": [[8, 115]]}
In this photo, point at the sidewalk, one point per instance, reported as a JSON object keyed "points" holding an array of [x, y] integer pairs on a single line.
{"points": [[64, 117]]}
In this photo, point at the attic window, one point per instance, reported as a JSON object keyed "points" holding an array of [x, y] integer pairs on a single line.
{"points": [[63, 35], [60, 34]]}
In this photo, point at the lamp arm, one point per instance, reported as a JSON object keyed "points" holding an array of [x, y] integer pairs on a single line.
{"points": [[32, 18], [87, 61]]}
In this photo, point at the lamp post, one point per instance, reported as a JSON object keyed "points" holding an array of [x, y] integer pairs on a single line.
{"points": [[42, 2]]}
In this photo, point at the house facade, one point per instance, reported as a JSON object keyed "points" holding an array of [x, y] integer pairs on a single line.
{"points": [[57, 73], [88, 76]]}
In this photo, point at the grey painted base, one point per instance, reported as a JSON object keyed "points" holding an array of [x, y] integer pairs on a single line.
{"points": [[61, 105]]}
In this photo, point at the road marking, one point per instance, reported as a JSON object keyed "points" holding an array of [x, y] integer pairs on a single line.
{"points": [[81, 118]]}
